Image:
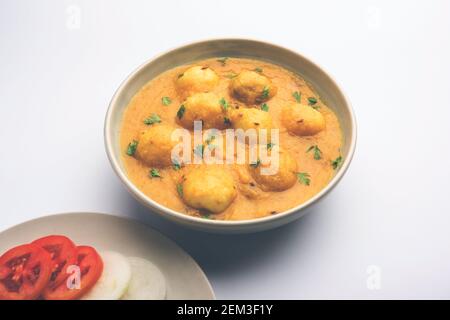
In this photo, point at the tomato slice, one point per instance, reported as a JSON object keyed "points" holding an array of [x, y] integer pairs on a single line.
{"points": [[90, 269], [24, 272], [63, 253]]}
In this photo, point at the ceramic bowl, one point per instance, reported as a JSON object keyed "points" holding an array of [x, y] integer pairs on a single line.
{"points": [[324, 84]]}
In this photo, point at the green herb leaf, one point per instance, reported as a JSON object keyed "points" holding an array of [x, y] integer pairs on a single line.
{"points": [[270, 145], [317, 152], [166, 101], [180, 189], [336, 163], [226, 121], [199, 150], [303, 178], [224, 104], [265, 93], [210, 139], [176, 165], [154, 173], [181, 111], [255, 164], [265, 107], [312, 101], [297, 96], [259, 70], [154, 118], [223, 60], [132, 146], [206, 216]]}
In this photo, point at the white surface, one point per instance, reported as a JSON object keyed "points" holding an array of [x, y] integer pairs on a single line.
{"points": [[391, 211]]}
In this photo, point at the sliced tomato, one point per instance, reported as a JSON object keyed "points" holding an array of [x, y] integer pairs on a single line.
{"points": [[24, 272], [63, 253], [90, 269]]}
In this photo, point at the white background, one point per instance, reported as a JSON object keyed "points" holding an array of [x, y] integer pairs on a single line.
{"points": [[392, 208]]}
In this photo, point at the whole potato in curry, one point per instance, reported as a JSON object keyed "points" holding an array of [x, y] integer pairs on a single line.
{"points": [[302, 120], [284, 178], [196, 79], [252, 88], [155, 145], [205, 107], [251, 118], [209, 187]]}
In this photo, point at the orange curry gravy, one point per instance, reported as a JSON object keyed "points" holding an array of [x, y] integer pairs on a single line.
{"points": [[164, 190]]}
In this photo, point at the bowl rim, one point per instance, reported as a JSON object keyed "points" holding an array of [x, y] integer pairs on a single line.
{"points": [[139, 195]]}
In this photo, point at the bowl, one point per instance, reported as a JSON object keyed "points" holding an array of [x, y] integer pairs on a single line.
{"points": [[323, 83]]}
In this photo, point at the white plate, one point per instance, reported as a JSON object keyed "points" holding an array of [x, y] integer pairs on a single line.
{"points": [[185, 279]]}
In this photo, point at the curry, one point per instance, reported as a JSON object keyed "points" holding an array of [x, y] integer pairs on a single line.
{"points": [[227, 93]]}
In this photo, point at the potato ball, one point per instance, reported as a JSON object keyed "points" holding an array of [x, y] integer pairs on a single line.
{"points": [[302, 120], [203, 107], [196, 79], [155, 145], [252, 118], [252, 88], [285, 175], [209, 187]]}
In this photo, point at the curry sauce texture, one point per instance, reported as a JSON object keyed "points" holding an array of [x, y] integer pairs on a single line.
{"points": [[223, 94]]}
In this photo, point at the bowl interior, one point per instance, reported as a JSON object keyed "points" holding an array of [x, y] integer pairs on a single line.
{"points": [[324, 85]]}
